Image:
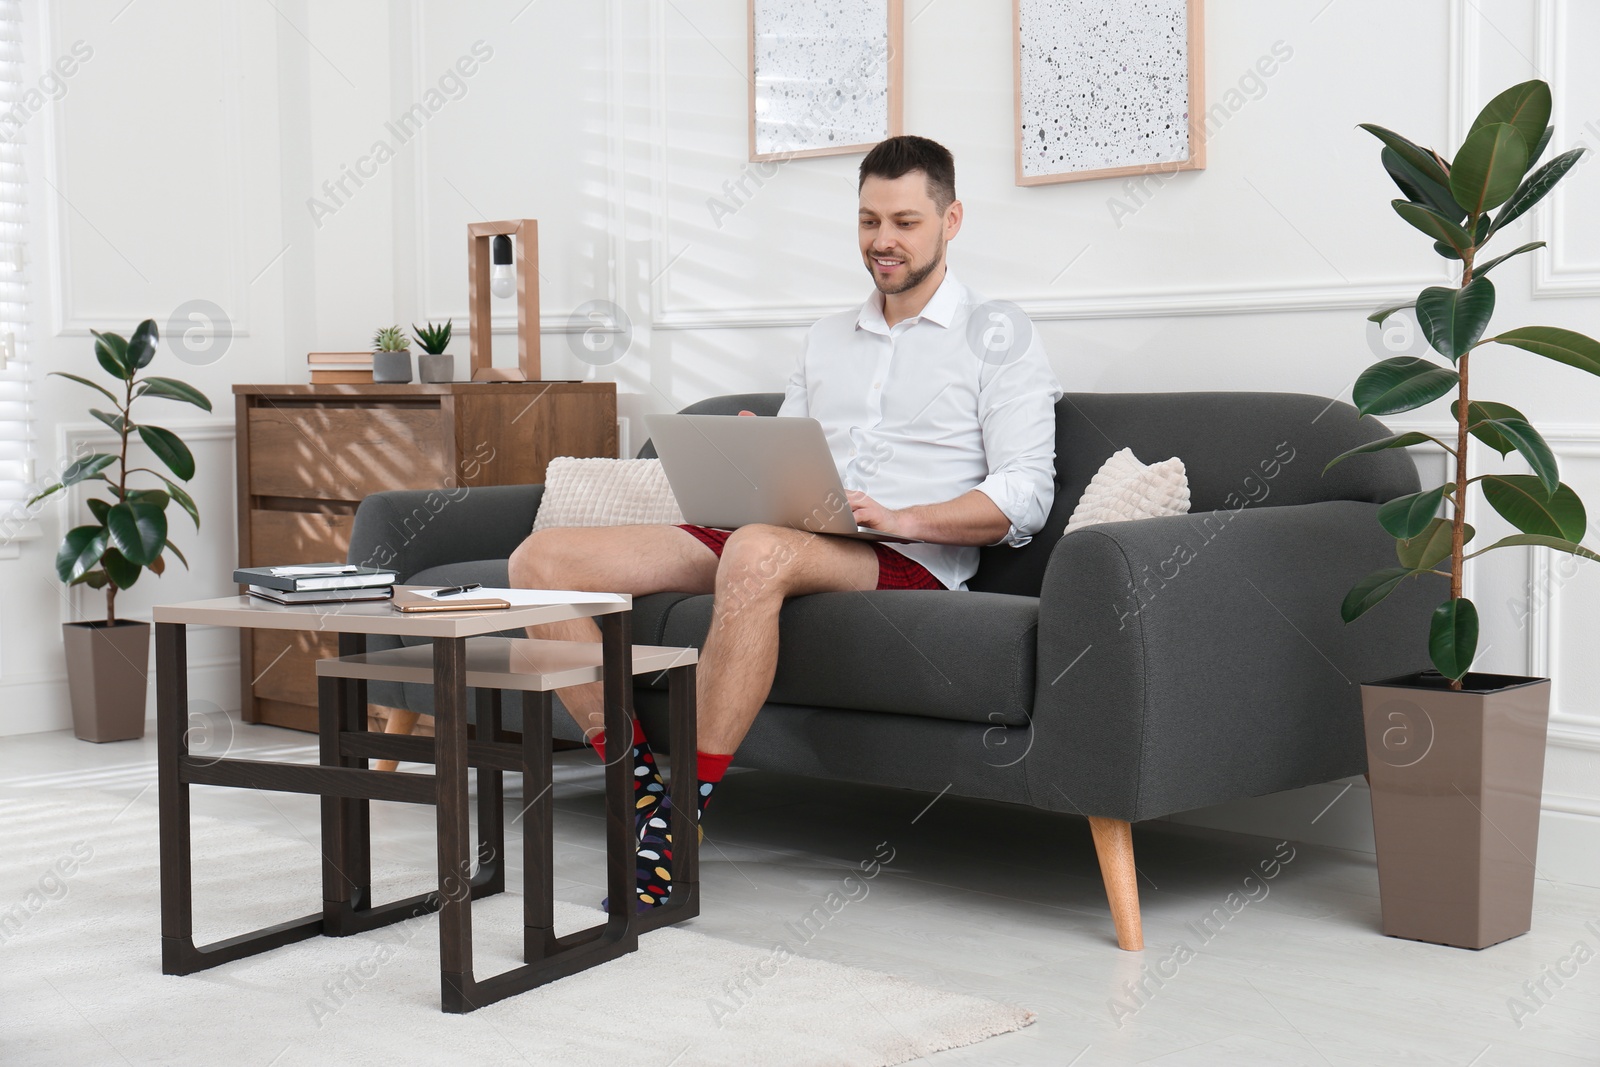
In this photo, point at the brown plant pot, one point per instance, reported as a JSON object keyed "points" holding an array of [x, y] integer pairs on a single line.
{"points": [[106, 670], [1457, 778]]}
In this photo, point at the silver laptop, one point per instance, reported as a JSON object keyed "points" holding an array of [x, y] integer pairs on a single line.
{"points": [[729, 471]]}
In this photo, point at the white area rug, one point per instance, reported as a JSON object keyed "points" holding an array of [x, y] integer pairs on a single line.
{"points": [[81, 982]]}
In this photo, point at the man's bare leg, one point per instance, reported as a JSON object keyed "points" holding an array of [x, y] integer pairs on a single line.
{"points": [[610, 559], [761, 567]]}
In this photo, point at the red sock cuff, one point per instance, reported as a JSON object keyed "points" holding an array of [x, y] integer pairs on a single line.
{"points": [[599, 739], [710, 767]]}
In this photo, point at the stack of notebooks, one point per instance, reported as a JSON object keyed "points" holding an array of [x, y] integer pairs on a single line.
{"points": [[317, 583], [340, 368]]}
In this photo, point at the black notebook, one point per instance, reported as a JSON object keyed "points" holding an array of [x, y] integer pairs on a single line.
{"points": [[322, 596], [304, 577]]}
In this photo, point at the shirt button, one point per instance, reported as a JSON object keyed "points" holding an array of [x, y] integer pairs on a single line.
{"points": [[877, 385]]}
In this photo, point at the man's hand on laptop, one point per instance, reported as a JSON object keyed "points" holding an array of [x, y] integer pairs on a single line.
{"points": [[970, 519], [872, 515]]}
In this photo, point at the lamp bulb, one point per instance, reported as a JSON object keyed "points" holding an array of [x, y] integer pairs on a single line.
{"points": [[502, 278]]}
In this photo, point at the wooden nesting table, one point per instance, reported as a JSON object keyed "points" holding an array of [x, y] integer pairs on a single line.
{"points": [[459, 657]]}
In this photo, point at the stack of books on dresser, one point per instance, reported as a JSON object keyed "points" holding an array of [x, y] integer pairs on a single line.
{"points": [[317, 583], [340, 368]]}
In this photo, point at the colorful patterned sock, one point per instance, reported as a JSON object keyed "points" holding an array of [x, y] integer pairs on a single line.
{"points": [[654, 872], [648, 788]]}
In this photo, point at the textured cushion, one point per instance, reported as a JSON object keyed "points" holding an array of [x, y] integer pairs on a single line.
{"points": [[1267, 448], [934, 653], [1125, 489], [605, 492]]}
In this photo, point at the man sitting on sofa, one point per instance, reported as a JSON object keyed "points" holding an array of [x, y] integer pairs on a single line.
{"points": [[940, 414]]}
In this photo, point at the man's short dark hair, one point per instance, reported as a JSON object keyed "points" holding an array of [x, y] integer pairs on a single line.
{"points": [[899, 156]]}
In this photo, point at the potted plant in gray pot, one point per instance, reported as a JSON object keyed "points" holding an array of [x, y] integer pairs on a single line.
{"points": [[435, 364], [1456, 757], [107, 659], [391, 355]]}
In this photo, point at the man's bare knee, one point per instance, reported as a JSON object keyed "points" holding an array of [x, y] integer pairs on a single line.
{"points": [[754, 560], [540, 559]]}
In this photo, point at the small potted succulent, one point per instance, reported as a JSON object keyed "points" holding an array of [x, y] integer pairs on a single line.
{"points": [[107, 659], [391, 355], [435, 364], [1456, 758]]}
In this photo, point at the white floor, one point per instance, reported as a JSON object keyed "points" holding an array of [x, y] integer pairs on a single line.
{"points": [[1007, 903]]}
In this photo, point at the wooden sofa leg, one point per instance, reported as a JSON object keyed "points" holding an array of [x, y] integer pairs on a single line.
{"points": [[1113, 844]]}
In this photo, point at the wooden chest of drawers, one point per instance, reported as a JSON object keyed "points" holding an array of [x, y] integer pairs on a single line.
{"points": [[308, 454]]}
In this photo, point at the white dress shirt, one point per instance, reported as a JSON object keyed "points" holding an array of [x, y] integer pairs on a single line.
{"points": [[922, 411]]}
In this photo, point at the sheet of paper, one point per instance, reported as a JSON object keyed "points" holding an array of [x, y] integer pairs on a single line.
{"points": [[522, 598], [313, 571]]}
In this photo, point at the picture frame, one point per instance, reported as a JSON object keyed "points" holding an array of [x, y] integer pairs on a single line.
{"points": [[1141, 104], [788, 91]]}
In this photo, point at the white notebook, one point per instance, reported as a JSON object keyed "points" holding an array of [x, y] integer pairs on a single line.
{"points": [[525, 598]]}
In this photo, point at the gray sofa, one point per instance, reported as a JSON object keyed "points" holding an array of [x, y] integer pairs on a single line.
{"points": [[1126, 672]]}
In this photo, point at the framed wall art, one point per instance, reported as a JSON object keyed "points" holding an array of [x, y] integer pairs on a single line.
{"points": [[825, 76], [1108, 88]]}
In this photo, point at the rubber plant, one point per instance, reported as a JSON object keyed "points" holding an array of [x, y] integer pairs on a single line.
{"points": [[129, 534], [1461, 205]]}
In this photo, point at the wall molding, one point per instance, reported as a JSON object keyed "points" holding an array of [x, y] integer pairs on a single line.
{"points": [[39, 702], [1553, 276], [1464, 32], [506, 323], [67, 322], [1544, 591], [70, 505], [1567, 728]]}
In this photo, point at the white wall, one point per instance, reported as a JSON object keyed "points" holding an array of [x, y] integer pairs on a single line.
{"points": [[181, 160]]}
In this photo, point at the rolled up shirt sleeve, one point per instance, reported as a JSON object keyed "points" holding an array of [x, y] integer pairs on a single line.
{"points": [[1017, 412]]}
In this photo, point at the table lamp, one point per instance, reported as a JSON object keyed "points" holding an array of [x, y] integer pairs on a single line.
{"points": [[490, 271]]}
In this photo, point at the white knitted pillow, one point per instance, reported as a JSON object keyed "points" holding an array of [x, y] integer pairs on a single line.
{"points": [[1126, 489], [605, 492]]}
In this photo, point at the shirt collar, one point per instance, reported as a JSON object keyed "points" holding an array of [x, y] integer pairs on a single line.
{"points": [[941, 307]]}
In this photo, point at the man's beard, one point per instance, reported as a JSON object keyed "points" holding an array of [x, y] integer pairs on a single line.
{"points": [[913, 278]]}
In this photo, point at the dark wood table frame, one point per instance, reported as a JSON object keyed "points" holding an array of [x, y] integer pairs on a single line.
{"points": [[347, 788]]}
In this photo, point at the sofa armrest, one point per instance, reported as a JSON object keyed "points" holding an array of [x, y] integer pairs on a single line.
{"points": [[1198, 659], [412, 530]]}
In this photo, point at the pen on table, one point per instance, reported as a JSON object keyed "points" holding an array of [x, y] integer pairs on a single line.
{"points": [[456, 590]]}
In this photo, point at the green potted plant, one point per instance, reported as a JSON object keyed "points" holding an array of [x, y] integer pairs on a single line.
{"points": [[391, 355], [106, 659], [435, 364], [1456, 757]]}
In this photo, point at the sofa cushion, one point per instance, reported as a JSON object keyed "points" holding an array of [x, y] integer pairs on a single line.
{"points": [[936, 653], [1123, 489], [596, 491]]}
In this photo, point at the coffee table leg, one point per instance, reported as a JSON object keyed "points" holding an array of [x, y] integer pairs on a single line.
{"points": [[538, 830], [616, 641], [357, 813], [179, 953], [172, 714], [346, 822], [455, 824], [491, 803]]}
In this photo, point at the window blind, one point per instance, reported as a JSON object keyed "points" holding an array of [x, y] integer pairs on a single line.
{"points": [[16, 369]]}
